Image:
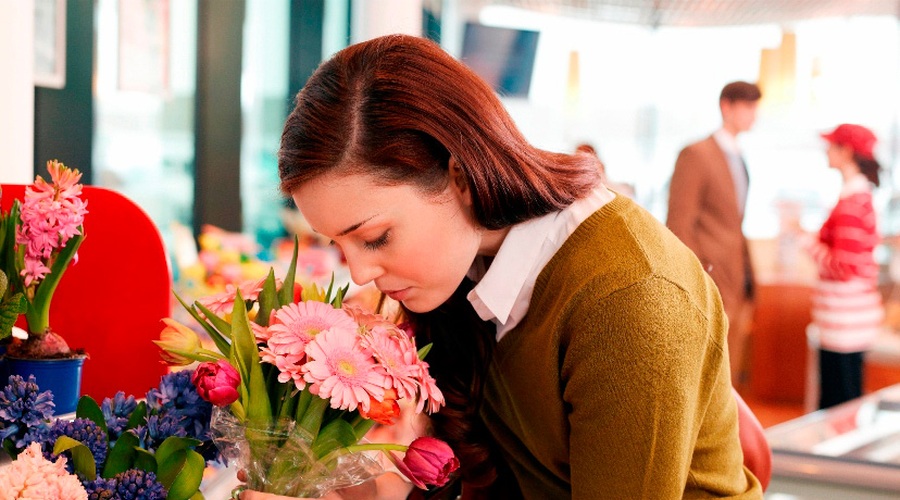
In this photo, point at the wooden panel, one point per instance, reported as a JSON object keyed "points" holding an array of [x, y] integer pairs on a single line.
{"points": [[778, 342]]}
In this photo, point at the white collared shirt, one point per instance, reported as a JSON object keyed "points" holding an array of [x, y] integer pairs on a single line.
{"points": [[503, 290], [729, 145]]}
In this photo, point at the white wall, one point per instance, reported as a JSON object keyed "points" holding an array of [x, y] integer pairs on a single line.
{"points": [[16, 91], [373, 19]]}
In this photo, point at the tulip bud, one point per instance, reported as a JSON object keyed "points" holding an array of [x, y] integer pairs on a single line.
{"points": [[217, 382], [428, 461], [177, 337]]}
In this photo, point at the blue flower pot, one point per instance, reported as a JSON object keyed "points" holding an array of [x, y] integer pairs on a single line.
{"points": [[60, 376]]}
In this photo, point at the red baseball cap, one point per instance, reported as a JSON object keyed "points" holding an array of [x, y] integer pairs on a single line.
{"points": [[858, 138]]}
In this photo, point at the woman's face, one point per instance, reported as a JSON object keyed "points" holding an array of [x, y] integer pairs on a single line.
{"points": [[838, 156], [415, 247]]}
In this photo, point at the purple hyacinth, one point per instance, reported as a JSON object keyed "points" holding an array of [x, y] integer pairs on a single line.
{"points": [[100, 489], [157, 428], [116, 412], [82, 430], [24, 410], [136, 484], [176, 394]]}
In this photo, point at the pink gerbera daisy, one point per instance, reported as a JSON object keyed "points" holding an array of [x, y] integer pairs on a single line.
{"points": [[223, 303], [397, 355], [292, 328], [340, 369], [430, 392]]}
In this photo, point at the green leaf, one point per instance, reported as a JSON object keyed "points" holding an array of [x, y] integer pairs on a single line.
{"points": [[137, 416], [424, 351], [82, 458], [287, 286], [122, 455], [221, 342], [198, 496], [337, 434], [89, 409], [218, 323], [10, 310], [245, 356], [268, 299], [144, 460], [172, 445], [181, 474], [311, 421]]}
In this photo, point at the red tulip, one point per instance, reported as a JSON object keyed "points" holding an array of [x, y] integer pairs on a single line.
{"points": [[217, 382], [384, 412], [428, 461]]}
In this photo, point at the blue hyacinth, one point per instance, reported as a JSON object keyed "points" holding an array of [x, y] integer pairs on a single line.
{"points": [[82, 430], [24, 410], [157, 428], [116, 412], [177, 395], [100, 489], [135, 484]]}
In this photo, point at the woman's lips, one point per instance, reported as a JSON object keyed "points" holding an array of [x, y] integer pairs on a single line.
{"points": [[397, 295]]}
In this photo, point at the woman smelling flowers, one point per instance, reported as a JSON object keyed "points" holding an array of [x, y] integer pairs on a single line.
{"points": [[580, 346]]}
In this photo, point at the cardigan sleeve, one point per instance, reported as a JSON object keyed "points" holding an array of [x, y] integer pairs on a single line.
{"points": [[644, 372]]}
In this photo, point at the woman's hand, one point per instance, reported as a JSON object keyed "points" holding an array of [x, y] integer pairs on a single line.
{"points": [[388, 486]]}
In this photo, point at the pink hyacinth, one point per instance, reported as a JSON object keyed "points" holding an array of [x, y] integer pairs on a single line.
{"points": [[31, 476], [341, 370], [51, 215]]}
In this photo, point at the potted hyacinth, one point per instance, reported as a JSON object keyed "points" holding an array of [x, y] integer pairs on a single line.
{"points": [[39, 239]]}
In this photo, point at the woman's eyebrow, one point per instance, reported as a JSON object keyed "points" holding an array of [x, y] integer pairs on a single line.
{"points": [[354, 227]]}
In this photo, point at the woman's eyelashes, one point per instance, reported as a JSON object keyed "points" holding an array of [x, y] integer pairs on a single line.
{"points": [[378, 242]]}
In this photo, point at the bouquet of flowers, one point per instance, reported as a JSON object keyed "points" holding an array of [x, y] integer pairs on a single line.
{"points": [[299, 379], [39, 238], [152, 449]]}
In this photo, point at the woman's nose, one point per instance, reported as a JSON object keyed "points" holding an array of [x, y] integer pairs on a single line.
{"points": [[362, 269]]}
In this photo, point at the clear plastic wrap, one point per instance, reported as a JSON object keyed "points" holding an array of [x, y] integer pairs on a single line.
{"points": [[279, 458]]}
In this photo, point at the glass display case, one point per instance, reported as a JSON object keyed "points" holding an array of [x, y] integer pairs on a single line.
{"points": [[848, 451]]}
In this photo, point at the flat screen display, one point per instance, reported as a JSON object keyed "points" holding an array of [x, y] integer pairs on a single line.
{"points": [[504, 57]]}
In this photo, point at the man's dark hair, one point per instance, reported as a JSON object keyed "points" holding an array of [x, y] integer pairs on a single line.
{"points": [[740, 91]]}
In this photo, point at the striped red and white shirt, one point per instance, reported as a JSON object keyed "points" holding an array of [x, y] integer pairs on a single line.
{"points": [[847, 308]]}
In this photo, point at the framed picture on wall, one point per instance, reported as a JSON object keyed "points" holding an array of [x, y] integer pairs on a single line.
{"points": [[144, 46], [50, 43]]}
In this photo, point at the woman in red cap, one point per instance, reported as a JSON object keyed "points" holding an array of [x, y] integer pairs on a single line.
{"points": [[847, 311]]}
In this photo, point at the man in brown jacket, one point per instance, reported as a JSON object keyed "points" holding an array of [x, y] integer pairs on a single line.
{"points": [[707, 196]]}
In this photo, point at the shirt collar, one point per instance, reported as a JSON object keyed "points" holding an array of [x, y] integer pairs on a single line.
{"points": [[509, 279], [727, 142], [856, 184]]}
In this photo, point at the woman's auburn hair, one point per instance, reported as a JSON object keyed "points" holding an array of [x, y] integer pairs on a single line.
{"points": [[398, 107]]}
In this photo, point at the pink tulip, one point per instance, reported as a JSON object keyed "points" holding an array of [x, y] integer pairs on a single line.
{"points": [[428, 461], [217, 382]]}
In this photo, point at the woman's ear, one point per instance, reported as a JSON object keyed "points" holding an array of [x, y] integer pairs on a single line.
{"points": [[458, 182]]}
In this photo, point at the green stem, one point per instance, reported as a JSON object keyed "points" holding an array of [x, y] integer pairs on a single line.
{"points": [[356, 448], [361, 426], [312, 417], [38, 313]]}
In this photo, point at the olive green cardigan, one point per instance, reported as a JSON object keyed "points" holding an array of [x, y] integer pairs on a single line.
{"points": [[616, 382]]}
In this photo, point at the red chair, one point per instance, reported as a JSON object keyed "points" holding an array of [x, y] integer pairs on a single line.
{"points": [[112, 300], [757, 453]]}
